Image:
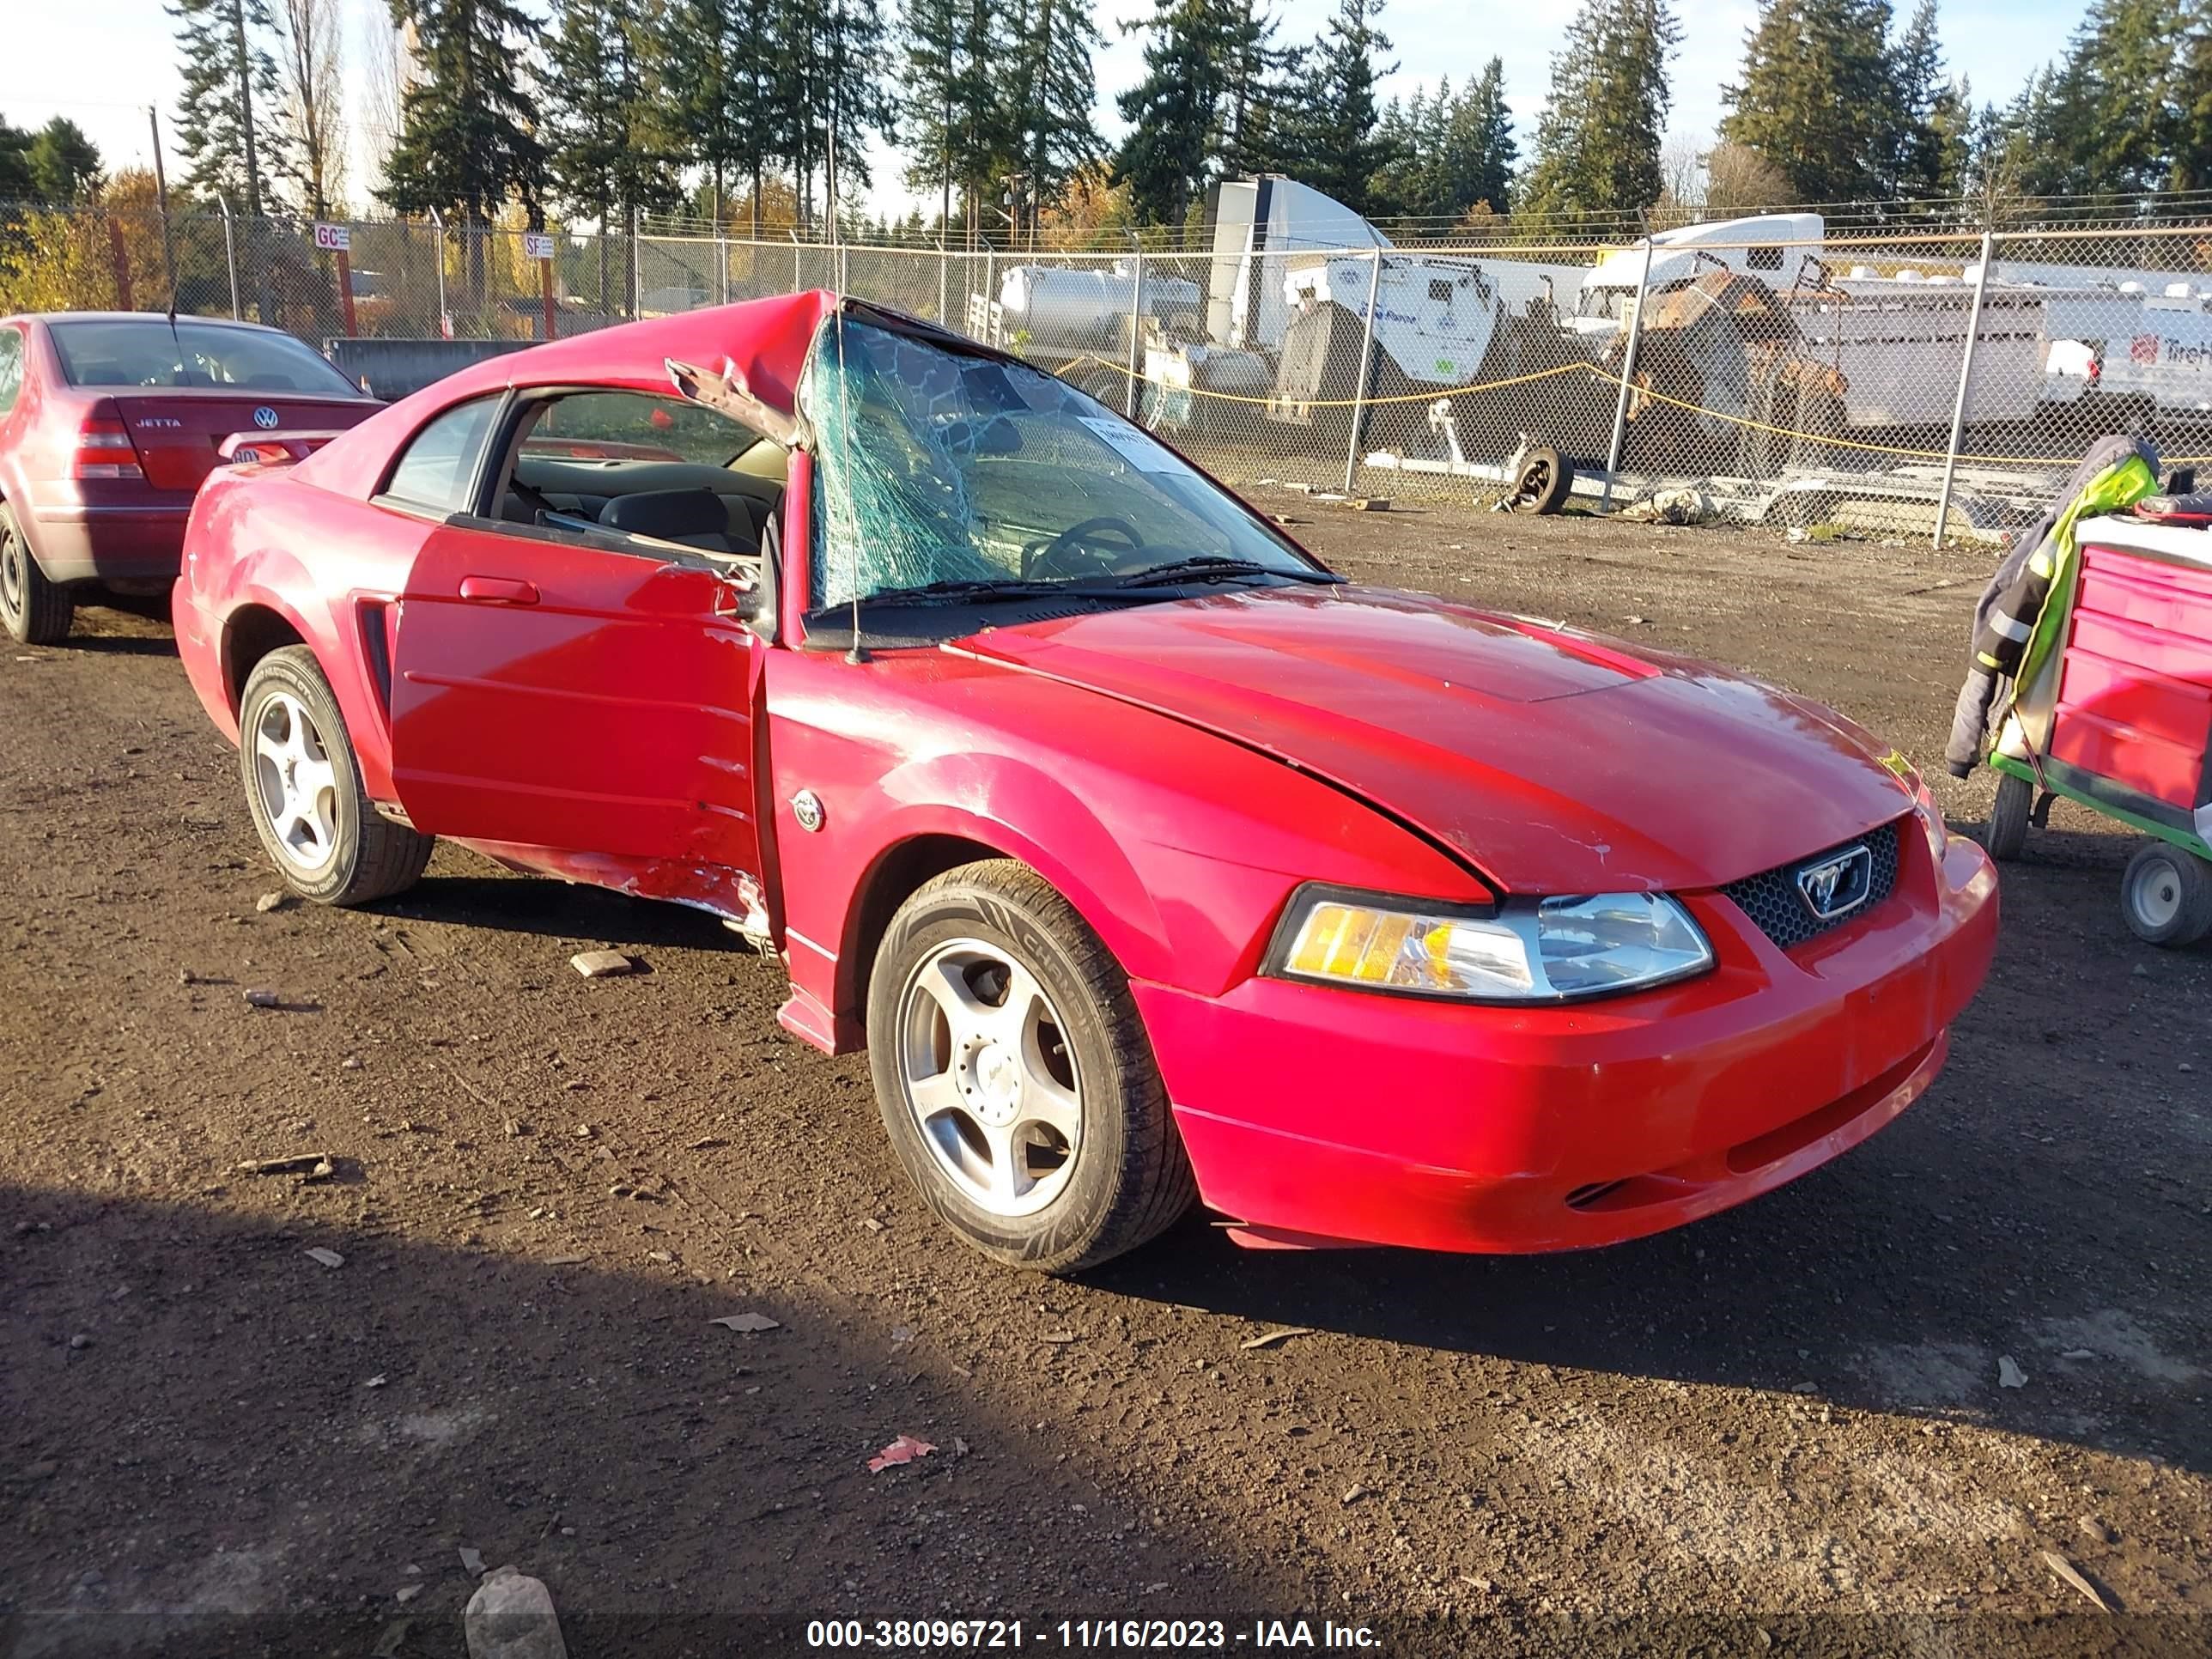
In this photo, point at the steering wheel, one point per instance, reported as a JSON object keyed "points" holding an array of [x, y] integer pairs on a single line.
{"points": [[1056, 555]]}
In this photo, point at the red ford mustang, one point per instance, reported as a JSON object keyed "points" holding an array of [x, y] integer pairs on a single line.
{"points": [[1142, 853], [108, 422]]}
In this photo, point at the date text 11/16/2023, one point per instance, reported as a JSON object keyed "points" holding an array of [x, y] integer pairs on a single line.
{"points": [[1164, 1635]]}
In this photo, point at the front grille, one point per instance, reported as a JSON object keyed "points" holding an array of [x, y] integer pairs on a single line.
{"points": [[1771, 898]]}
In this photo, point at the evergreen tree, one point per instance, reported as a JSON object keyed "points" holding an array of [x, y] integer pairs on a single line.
{"points": [[606, 136], [230, 92], [1597, 142], [468, 126], [2119, 94], [833, 96], [64, 164], [952, 116], [1173, 111], [2192, 137], [1479, 150], [1917, 168], [19, 181], [1346, 151], [1053, 91], [1817, 100], [1259, 120]]}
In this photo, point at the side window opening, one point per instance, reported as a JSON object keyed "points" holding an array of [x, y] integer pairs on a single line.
{"points": [[635, 465], [438, 465]]}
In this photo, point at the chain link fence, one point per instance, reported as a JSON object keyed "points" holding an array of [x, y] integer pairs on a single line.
{"points": [[1936, 384]]}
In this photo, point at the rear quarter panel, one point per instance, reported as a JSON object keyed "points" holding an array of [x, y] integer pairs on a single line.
{"points": [[328, 565]]}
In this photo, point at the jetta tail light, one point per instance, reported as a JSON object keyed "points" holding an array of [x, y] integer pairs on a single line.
{"points": [[104, 449]]}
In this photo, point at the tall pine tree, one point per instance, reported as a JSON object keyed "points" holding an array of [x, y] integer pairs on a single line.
{"points": [[1597, 142], [1346, 151], [1173, 111], [223, 126], [1053, 91], [468, 140], [1816, 100]]}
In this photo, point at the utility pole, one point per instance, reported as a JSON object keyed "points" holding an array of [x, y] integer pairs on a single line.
{"points": [[169, 241]]}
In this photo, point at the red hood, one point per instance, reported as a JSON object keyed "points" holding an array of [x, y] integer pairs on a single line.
{"points": [[1555, 762]]}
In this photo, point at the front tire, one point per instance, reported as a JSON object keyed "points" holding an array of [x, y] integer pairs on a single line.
{"points": [[2166, 896], [303, 789], [1016, 1082], [32, 609]]}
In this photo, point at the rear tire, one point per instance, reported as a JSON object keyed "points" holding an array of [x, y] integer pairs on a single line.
{"points": [[1015, 1079], [2166, 896], [32, 609], [303, 789], [2006, 833]]}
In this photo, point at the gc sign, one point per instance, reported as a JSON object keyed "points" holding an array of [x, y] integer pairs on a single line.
{"points": [[333, 239]]}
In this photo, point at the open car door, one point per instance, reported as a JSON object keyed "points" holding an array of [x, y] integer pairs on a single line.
{"points": [[579, 701]]}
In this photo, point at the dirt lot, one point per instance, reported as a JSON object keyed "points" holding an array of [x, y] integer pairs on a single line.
{"points": [[1781, 1430]]}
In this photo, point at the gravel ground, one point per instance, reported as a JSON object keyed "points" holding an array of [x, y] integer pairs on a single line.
{"points": [[1780, 1429]]}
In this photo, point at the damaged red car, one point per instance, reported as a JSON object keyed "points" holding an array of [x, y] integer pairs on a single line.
{"points": [[1148, 858]]}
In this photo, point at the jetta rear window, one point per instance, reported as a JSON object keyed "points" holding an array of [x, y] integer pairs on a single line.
{"points": [[126, 352]]}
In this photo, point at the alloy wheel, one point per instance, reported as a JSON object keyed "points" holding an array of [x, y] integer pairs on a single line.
{"points": [[989, 1077], [297, 784]]}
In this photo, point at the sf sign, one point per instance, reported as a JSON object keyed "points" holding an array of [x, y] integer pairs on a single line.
{"points": [[333, 239]]}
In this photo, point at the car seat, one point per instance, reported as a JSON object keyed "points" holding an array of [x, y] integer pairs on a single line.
{"points": [[690, 518]]}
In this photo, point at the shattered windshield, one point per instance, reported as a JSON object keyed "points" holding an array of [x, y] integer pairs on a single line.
{"points": [[937, 471]]}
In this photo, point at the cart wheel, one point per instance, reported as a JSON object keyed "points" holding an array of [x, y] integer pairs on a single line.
{"points": [[2007, 831], [2166, 896], [1542, 483]]}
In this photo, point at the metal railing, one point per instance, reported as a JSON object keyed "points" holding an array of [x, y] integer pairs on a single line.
{"points": [[1938, 383]]}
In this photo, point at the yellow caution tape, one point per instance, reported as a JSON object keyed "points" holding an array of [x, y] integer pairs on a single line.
{"points": [[2041, 462]]}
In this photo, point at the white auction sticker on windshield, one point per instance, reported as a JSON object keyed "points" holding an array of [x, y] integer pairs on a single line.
{"points": [[1134, 447]]}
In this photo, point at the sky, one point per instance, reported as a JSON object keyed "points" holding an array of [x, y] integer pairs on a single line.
{"points": [[102, 64]]}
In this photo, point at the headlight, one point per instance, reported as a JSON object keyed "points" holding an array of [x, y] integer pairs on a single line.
{"points": [[1931, 821], [1525, 950]]}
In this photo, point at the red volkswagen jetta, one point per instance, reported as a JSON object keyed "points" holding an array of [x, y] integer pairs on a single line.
{"points": [[1142, 853], [108, 422]]}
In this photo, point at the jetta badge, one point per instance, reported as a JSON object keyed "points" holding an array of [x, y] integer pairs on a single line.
{"points": [[806, 807], [265, 418], [1839, 885]]}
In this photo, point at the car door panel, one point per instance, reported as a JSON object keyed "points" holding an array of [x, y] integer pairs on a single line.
{"points": [[568, 697]]}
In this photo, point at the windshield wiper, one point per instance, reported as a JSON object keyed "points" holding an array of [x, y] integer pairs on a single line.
{"points": [[973, 592], [1215, 566]]}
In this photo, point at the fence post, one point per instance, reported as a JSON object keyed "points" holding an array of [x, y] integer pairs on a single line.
{"points": [[229, 256], [1136, 329], [445, 317], [1366, 369], [797, 275], [990, 288], [844, 269], [722, 260], [943, 284], [636, 268], [1627, 371], [1965, 387]]}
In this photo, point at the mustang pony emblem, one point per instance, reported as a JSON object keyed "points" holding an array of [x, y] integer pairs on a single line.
{"points": [[1838, 886]]}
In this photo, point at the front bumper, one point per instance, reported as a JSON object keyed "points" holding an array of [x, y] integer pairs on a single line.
{"points": [[1318, 1115]]}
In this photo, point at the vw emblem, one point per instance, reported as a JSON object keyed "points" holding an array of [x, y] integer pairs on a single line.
{"points": [[265, 418], [1839, 885], [806, 807]]}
